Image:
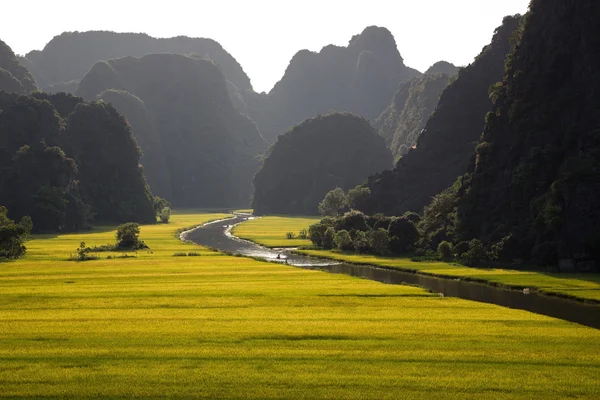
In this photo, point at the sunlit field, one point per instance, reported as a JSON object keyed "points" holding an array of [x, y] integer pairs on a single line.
{"points": [[216, 326], [269, 230]]}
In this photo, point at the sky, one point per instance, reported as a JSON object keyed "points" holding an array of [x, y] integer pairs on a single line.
{"points": [[263, 35]]}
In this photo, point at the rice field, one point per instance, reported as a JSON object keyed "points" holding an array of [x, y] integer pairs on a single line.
{"points": [[216, 326], [269, 230]]}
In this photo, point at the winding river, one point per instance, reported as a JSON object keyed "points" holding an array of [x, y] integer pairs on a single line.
{"points": [[218, 235]]}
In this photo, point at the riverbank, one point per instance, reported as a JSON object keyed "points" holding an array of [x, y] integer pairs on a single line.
{"points": [[582, 287]]}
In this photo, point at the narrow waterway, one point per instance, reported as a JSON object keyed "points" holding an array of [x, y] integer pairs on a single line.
{"points": [[218, 235]]}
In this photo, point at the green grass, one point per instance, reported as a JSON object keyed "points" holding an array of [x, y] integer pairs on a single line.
{"points": [[581, 286], [270, 231], [217, 326]]}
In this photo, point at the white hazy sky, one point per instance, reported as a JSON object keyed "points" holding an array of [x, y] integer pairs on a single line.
{"points": [[263, 35]]}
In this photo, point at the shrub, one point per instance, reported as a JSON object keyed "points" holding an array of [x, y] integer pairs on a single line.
{"points": [[83, 254], [179, 254], [128, 235], [379, 241], [303, 234], [334, 204], [461, 249], [444, 250], [475, 255], [193, 254], [403, 235], [361, 242], [290, 235], [343, 241], [316, 233], [165, 215], [13, 235], [328, 238]]}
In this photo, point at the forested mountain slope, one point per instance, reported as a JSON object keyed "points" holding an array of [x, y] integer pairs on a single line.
{"points": [[447, 144], [67, 163], [534, 186], [208, 146], [320, 154], [13, 76]]}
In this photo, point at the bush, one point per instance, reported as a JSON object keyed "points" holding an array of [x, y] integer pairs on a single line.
{"points": [[343, 241], [128, 236], [13, 235], [316, 233], [303, 234], [444, 250], [352, 221], [165, 215], [403, 235], [475, 255], [290, 235], [328, 238], [334, 204], [460, 249], [361, 242], [83, 254], [379, 241]]}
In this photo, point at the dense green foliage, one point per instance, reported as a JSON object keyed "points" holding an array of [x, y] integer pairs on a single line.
{"points": [[444, 148], [354, 231], [65, 162], [13, 235], [533, 189], [13, 76], [200, 151], [360, 78], [414, 102], [322, 153], [70, 56]]}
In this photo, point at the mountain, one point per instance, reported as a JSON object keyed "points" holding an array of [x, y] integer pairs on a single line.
{"points": [[65, 162], [446, 145], [320, 154], [443, 67], [70, 56], [13, 76], [359, 78], [412, 105], [534, 186], [194, 137]]}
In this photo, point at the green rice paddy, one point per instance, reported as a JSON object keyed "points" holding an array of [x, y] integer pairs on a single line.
{"points": [[216, 326], [269, 230]]}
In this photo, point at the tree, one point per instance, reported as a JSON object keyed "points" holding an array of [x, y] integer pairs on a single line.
{"points": [[316, 233], [128, 235], [403, 235], [12, 235], [165, 215], [379, 241], [361, 242], [328, 238], [352, 221], [358, 198], [444, 250], [334, 204], [343, 241]]}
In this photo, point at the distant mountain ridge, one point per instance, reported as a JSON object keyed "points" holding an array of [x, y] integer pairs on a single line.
{"points": [[69, 56], [13, 76]]}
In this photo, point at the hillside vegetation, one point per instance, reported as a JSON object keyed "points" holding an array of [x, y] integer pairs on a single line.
{"points": [[445, 147], [200, 151], [320, 154]]}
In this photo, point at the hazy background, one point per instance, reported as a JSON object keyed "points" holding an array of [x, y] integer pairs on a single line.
{"points": [[264, 35]]}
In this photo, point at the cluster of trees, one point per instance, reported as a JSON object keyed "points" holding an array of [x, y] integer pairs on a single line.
{"points": [[13, 76], [403, 121], [322, 153], [200, 151], [354, 231]]}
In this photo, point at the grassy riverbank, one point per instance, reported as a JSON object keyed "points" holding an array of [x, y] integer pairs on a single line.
{"points": [[215, 326], [270, 230]]}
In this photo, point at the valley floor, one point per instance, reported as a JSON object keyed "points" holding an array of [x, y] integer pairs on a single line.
{"points": [[271, 232], [216, 326]]}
